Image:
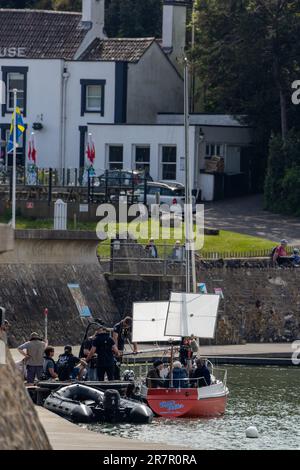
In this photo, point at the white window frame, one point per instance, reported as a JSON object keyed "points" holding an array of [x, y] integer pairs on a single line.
{"points": [[108, 162], [93, 108], [134, 161], [9, 91], [166, 163], [213, 150]]}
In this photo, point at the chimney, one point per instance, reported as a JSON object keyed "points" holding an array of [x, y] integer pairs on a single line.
{"points": [[174, 29], [93, 14]]}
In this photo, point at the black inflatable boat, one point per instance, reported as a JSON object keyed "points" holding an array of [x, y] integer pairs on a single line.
{"points": [[83, 404]]}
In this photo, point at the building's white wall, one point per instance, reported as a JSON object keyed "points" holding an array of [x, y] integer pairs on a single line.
{"points": [[43, 98], [130, 135], [86, 71], [153, 86]]}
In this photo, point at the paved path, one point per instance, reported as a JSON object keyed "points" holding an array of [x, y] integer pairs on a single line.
{"points": [[64, 435], [246, 215]]}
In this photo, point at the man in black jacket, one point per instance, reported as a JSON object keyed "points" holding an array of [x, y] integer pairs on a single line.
{"points": [[201, 376]]}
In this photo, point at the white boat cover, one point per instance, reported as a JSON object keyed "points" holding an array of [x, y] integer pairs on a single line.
{"points": [[192, 314], [149, 319]]}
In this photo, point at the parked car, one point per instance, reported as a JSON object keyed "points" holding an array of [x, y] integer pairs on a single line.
{"points": [[170, 194], [122, 178]]}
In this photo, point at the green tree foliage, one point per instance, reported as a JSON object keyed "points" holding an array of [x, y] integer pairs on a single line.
{"points": [[247, 54], [282, 186]]}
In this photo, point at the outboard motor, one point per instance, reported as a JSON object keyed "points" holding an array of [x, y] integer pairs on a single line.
{"points": [[111, 404]]}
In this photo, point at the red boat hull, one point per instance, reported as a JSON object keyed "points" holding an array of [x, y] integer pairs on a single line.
{"points": [[185, 403]]}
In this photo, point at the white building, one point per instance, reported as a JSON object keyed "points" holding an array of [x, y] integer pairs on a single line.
{"points": [[128, 93], [68, 74]]}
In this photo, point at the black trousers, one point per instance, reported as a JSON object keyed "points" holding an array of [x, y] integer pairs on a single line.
{"points": [[109, 371]]}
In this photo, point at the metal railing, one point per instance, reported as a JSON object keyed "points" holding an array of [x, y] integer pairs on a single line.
{"points": [[70, 185]]}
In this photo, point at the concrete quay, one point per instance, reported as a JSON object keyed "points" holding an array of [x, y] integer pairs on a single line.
{"points": [[64, 435]]}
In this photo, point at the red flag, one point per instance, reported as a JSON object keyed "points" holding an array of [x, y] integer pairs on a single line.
{"points": [[29, 151], [33, 152], [88, 152], [93, 153]]}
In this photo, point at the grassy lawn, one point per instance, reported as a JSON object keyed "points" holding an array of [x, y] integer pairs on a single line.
{"points": [[224, 242]]}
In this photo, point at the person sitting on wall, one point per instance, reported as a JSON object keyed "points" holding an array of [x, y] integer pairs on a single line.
{"points": [[201, 376], [151, 249], [280, 255], [154, 379], [178, 252], [49, 366], [180, 376], [296, 257]]}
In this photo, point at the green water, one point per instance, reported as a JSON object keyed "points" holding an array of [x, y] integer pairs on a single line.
{"points": [[266, 397]]}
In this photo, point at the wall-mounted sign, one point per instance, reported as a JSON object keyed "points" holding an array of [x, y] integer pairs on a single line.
{"points": [[12, 52], [83, 208], [79, 300], [202, 288], [29, 205]]}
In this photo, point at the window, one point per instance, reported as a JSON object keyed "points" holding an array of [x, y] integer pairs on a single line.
{"points": [[169, 159], [214, 150], [142, 157], [15, 78], [15, 81], [92, 96], [115, 157]]}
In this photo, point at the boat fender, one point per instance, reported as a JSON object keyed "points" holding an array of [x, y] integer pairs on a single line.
{"points": [[252, 432]]}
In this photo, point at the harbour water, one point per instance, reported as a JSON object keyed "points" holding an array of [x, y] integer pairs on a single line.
{"points": [[265, 397]]}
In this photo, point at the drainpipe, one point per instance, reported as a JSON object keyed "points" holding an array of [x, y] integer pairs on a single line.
{"points": [[65, 77]]}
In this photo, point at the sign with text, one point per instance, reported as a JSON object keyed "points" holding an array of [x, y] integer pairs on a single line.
{"points": [[79, 300]]}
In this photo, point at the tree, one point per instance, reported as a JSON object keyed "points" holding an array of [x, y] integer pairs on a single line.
{"points": [[247, 55]]}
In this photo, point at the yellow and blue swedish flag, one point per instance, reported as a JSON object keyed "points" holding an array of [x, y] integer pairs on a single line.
{"points": [[20, 130]]}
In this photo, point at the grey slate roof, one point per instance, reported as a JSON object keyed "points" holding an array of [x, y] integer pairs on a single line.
{"points": [[58, 35], [44, 34], [125, 50]]}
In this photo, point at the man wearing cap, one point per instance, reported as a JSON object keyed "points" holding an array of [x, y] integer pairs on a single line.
{"points": [[154, 379], [105, 348], [33, 351]]}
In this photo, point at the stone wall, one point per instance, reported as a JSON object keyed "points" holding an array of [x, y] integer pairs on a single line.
{"points": [[20, 428], [25, 290], [261, 303]]}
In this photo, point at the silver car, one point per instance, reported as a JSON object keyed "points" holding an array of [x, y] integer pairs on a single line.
{"points": [[170, 194]]}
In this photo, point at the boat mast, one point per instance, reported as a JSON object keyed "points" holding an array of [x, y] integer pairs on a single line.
{"points": [[190, 252]]}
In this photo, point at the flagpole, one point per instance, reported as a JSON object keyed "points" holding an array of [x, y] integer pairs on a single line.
{"points": [[14, 182]]}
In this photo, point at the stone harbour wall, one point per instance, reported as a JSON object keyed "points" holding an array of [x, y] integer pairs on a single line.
{"points": [[20, 428], [26, 290], [261, 303]]}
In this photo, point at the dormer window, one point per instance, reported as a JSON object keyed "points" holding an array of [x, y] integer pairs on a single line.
{"points": [[92, 96]]}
